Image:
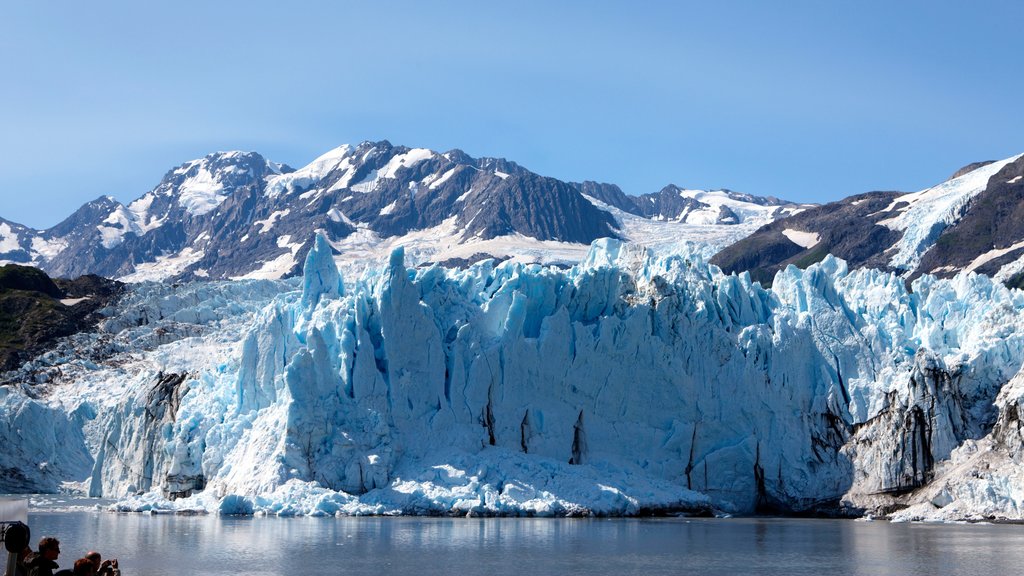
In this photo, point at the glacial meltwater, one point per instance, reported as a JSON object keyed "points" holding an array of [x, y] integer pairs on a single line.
{"points": [[157, 545]]}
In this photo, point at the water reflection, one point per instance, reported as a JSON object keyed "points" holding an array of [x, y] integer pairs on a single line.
{"points": [[174, 545]]}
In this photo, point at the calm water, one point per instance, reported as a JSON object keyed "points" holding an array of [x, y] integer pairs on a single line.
{"points": [[184, 545]]}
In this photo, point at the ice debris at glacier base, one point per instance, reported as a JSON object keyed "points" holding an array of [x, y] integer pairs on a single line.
{"points": [[627, 384]]}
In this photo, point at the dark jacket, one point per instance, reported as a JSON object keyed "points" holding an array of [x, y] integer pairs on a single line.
{"points": [[21, 568], [39, 566]]}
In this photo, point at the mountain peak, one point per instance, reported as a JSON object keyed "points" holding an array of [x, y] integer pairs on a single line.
{"points": [[970, 168], [203, 184], [235, 214]]}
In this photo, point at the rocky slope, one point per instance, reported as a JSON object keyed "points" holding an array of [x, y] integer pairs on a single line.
{"points": [[971, 222], [36, 311], [239, 215]]}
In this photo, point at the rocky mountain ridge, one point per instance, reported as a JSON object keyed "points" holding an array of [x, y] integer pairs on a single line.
{"points": [[972, 222], [239, 215]]}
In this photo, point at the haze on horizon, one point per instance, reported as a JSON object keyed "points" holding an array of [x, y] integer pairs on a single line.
{"points": [[807, 101]]}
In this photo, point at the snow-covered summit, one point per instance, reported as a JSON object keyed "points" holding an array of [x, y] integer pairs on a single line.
{"points": [[727, 207], [239, 215]]}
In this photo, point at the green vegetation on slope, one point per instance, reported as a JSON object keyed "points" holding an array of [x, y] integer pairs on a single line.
{"points": [[32, 316]]}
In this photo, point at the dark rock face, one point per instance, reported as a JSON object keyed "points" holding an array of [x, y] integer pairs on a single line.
{"points": [[466, 262], [993, 221], [667, 203], [1008, 432], [970, 168], [611, 195], [905, 440], [32, 316], [847, 229], [234, 214], [672, 202], [991, 224], [230, 214], [488, 197], [539, 207]]}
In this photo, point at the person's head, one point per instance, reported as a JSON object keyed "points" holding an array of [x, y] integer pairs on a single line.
{"points": [[49, 548], [83, 567], [94, 557]]}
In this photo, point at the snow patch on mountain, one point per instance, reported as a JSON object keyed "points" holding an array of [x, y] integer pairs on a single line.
{"points": [[336, 215], [9, 239], [802, 239], [165, 266], [992, 255], [120, 222], [436, 183], [47, 248], [142, 220], [399, 161], [268, 223], [310, 174], [747, 212], [278, 267], [272, 269], [201, 193], [367, 184], [73, 301]]}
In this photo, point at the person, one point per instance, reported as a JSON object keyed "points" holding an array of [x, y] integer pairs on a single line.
{"points": [[45, 562], [83, 567], [21, 568], [102, 567]]}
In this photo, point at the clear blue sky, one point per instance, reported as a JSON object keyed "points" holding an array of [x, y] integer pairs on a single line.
{"points": [[809, 101]]}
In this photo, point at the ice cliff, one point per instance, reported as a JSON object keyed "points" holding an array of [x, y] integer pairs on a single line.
{"points": [[629, 383]]}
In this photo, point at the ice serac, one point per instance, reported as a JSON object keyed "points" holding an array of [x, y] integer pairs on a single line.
{"points": [[631, 383], [43, 444], [321, 277]]}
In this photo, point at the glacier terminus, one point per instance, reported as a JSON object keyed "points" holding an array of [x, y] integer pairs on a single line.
{"points": [[635, 382]]}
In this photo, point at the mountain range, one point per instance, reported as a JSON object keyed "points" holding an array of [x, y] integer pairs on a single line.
{"points": [[233, 215], [634, 381], [238, 215]]}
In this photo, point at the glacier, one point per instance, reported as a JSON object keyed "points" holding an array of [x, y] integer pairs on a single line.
{"points": [[632, 383]]}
